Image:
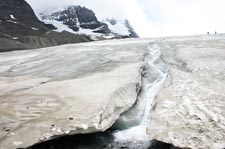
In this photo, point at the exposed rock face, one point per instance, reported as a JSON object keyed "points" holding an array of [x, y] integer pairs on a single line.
{"points": [[68, 89], [132, 34], [189, 112], [82, 20], [20, 28], [76, 17], [18, 19]]}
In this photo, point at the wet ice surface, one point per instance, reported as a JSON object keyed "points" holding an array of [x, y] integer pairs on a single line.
{"points": [[153, 81]]}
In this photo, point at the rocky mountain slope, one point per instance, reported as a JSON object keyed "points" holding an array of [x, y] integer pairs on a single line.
{"points": [[77, 18], [81, 20], [21, 29]]}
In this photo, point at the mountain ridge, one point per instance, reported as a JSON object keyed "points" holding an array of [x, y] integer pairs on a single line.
{"points": [[21, 29], [81, 20]]}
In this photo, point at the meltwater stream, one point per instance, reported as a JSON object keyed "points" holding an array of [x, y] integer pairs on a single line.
{"points": [[135, 137]]}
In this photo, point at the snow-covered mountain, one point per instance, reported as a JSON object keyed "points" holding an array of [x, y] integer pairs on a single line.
{"points": [[81, 20], [121, 27], [21, 29]]}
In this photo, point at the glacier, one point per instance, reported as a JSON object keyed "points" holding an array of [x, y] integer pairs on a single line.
{"points": [[166, 89]]}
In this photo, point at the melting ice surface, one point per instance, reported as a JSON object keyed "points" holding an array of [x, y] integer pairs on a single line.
{"points": [[137, 134]]}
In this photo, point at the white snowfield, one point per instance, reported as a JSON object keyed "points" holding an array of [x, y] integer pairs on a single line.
{"points": [[119, 28], [62, 27], [84, 88]]}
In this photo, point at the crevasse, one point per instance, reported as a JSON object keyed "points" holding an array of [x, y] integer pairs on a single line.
{"points": [[153, 80]]}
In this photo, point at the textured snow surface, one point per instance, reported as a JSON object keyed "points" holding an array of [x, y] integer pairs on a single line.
{"points": [[83, 88], [189, 112], [68, 89]]}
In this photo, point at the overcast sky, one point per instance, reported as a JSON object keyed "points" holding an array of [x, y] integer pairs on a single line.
{"points": [[153, 17]]}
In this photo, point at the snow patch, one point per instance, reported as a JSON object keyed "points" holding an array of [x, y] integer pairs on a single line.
{"points": [[118, 28], [12, 21], [60, 26], [12, 17], [33, 28], [7, 35], [88, 32], [15, 38]]}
